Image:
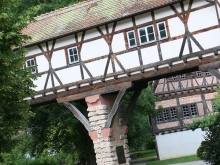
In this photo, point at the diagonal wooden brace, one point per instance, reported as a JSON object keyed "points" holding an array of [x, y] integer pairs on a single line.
{"points": [[78, 115], [115, 106]]}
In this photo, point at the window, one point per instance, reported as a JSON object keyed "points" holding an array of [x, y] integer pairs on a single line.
{"points": [[207, 74], [167, 115], [73, 55], [175, 78], [146, 34], [162, 30], [199, 74], [31, 63], [131, 38], [182, 76], [189, 110]]}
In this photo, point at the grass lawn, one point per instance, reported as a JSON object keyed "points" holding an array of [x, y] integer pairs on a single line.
{"points": [[175, 160], [139, 155]]}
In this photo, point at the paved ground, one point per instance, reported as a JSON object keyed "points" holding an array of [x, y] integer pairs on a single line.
{"points": [[193, 163]]}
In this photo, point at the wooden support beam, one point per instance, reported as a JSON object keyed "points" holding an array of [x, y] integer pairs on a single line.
{"points": [[213, 65], [107, 89], [214, 73], [115, 108], [131, 106], [78, 115]]}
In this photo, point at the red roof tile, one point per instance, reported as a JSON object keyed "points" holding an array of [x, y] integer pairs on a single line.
{"points": [[85, 15]]}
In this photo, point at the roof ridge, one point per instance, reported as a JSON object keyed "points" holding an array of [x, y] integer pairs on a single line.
{"points": [[65, 9]]}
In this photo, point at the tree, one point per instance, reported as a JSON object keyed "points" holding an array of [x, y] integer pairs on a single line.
{"points": [[16, 81], [209, 150]]}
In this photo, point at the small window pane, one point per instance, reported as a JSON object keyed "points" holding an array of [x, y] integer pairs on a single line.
{"points": [[143, 39], [142, 32], [28, 63], [193, 109], [161, 26], [75, 50], [132, 42], [131, 35], [159, 117], [76, 57], [185, 111], [163, 34], [199, 74], [151, 37], [70, 51], [32, 62], [173, 113], [71, 59], [150, 29]]}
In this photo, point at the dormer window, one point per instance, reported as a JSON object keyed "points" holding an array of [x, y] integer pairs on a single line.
{"points": [[73, 55], [162, 30], [31, 63], [131, 38]]}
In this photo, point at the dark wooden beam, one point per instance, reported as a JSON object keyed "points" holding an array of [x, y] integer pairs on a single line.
{"points": [[115, 108], [78, 115], [104, 90], [131, 105]]}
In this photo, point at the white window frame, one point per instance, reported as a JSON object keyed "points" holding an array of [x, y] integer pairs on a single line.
{"points": [[75, 61], [159, 30], [33, 71], [130, 39], [147, 35]]}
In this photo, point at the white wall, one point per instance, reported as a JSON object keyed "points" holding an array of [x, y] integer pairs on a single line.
{"points": [[179, 144]]}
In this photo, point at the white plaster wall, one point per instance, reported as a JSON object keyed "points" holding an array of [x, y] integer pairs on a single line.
{"points": [[103, 29], [186, 4], [178, 7], [176, 27], [69, 75], [143, 18], [79, 35], [126, 23], [128, 60], [179, 144], [198, 3], [118, 43], [33, 50], [68, 40], [40, 82], [150, 55], [172, 49], [92, 33], [58, 59], [208, 39], [110, 27], [202, 19], [94, 49], [42, 63], [163, 12], [97, 68]]}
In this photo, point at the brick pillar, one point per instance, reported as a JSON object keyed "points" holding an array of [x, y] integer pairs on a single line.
{"points": [[108, 142]]}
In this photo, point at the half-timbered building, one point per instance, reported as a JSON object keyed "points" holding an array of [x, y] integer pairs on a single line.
{"points": [[99, 49], [184, 98]]}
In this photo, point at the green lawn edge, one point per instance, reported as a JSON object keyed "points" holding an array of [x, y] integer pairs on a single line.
{"points": [[174, 160]]}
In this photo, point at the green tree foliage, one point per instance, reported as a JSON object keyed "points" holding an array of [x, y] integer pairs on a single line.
{"points": [[209, 150], [139, 132], [16, 82], [45, 6]]}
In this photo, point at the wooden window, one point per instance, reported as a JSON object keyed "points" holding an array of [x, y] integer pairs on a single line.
{"points": [[31, 63], [73, 55], [199, 74], [189, 110], [131, 38], [167, 115], [162, 30], [182, 76], [173, 113], [207, 74], [146, 34], [175, 78]]}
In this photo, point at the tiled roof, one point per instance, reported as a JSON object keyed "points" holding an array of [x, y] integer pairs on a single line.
{"points": [[84, 15]]}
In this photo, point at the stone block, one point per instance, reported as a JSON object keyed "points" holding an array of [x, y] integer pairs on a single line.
{"points": [[107, 132]]}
